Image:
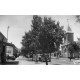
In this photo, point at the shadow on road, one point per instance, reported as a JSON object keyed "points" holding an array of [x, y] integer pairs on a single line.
{"points": [[10, 63]]}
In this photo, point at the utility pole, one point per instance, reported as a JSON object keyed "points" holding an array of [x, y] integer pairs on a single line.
{"points": [[7, 32]]}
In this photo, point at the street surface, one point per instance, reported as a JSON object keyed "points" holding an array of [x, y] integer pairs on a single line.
{"points": [[61, 61], [25, 61], [54, 61]]}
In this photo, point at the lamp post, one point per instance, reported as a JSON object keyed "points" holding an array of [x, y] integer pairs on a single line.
{"points": [[7, 32]]}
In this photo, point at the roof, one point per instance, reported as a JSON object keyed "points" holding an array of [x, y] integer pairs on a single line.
{"points": [[78, 39], [6, 44], [69, 30], [3, 38]]}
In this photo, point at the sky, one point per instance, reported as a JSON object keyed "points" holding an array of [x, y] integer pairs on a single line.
{"points": [[21, 23]]}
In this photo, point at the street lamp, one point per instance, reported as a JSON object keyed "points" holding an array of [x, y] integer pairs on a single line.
{"points": [[7, 32]]}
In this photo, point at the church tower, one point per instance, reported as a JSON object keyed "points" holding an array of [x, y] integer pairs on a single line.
{"points": [[69, 36]]}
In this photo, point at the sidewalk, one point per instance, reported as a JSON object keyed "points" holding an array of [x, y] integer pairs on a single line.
{"points": [[65, 61]]}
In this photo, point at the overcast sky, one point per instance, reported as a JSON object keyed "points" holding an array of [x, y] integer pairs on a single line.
{"points": [[21, 23]]}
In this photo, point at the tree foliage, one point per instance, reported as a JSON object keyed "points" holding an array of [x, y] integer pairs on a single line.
{"points": [[45, 36], [78, 18], [74, 49]]}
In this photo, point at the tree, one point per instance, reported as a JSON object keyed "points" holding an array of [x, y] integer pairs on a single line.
{"points": [[26, 41], [45, 37], [73, 49], [78, 18], [30, 40], [36, 29], [51, 36]]}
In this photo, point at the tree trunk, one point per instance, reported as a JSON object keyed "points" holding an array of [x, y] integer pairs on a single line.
{"points": [[32, 57], [36, 57], [50, 57], [46, 61]]}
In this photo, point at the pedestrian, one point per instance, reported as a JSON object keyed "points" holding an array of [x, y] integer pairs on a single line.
{"points": [[46, 61]]}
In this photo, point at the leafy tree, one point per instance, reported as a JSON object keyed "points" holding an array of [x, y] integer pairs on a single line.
{"points": [[26, 41], [45, 36], [30, 40], [36, 29], [51, 36], [73, 48], [78, 18]]}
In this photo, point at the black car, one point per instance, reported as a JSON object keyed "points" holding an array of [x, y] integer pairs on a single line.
{"points": [[10, 57], [43, 58]]}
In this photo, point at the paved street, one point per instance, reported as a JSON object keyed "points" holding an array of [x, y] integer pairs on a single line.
{"points": [[24, 61], [54, 61]]}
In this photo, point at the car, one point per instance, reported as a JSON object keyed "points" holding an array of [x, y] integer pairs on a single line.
{"points": [[43, 58], [10, 57]]}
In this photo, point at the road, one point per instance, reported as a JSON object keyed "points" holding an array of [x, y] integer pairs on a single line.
{"points": [[61, 61], [25, 61]]}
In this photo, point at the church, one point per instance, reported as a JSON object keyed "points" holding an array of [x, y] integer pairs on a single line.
{"points": [[69, 37]]}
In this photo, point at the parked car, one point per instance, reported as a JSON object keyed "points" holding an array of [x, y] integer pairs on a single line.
{"points": [[10, 57], [42, 58]]}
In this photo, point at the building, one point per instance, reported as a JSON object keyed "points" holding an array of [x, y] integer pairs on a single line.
{"points": [[69, 37], [9, 50], [4, 47], [12, 50], [3, 38]]}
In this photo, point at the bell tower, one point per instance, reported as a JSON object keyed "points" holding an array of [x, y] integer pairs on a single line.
{"points": [[69, 35]]}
